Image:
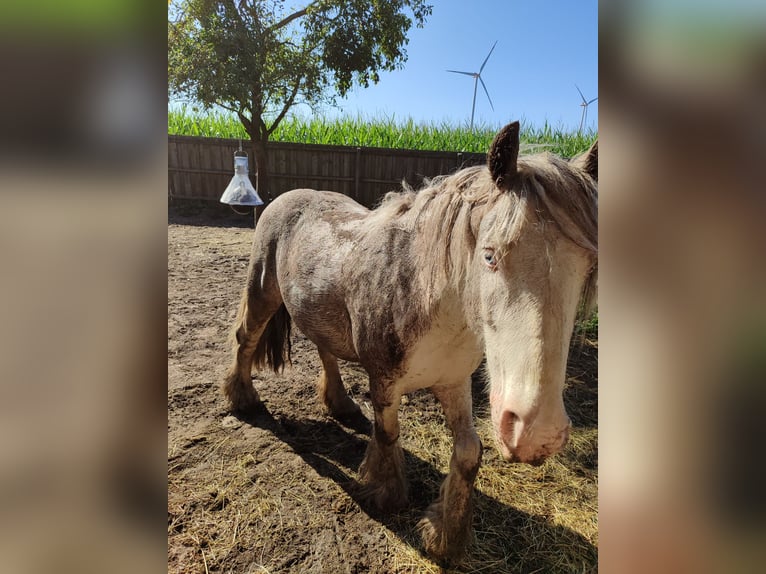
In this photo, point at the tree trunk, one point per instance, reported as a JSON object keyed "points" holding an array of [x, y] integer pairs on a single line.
{"points": [[261, 167]]}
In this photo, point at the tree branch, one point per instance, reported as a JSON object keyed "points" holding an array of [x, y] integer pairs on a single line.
{"points": [[294, 16], [236, 110], [245, 122], [285, 108]]}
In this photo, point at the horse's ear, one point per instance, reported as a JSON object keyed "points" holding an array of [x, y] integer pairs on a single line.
{"points": [[588, 161], [502, 156]]}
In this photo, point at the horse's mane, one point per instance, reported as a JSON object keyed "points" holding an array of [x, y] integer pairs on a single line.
{"points": [[447, 211]]}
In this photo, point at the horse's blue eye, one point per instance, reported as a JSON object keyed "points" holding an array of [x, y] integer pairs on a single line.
{"points": [[489, 257]]}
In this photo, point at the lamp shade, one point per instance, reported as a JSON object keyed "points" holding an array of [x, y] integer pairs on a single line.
{"points": [[240, 191]]}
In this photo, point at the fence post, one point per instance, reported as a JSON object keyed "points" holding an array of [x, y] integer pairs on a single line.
{"points": [[357, 169]]}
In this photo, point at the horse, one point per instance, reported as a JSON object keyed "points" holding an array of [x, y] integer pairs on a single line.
{"points": [[492, 262]]}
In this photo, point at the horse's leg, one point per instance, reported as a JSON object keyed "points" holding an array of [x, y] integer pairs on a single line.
{"points": [[330, 388], [382, 470], [257, 307], [446, 527]]}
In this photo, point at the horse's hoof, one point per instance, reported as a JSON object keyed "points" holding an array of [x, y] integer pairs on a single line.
{"points": [[384, 497], [381, 475], [353, 418], [249, 409], [445, 547], [385, 493], [344, 409], [245, 402]]}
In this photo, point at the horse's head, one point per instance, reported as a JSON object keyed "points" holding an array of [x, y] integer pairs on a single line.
{"points": [[536, 247]]}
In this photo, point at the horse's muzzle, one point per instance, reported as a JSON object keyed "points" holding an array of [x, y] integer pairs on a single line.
{"points": [[518, 445]]}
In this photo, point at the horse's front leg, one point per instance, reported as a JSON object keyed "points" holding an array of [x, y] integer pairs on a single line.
{"points": [[446, 526], [382, 470]]}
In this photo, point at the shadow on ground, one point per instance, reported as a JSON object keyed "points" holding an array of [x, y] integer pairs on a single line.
{"points": [[335, 451], [203, 213]]}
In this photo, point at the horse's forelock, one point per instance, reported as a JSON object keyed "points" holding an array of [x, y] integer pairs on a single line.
{"points": [[567, 195]]}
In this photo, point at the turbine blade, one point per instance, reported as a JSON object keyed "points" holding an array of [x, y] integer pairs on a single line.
{"points": [[593, 100], [583, 97], [466, 73], [487, 58], [483, 85]]}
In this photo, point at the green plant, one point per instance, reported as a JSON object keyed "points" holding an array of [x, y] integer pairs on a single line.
{"points": [[386, 132]]}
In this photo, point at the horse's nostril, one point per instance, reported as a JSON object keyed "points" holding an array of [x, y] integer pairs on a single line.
{"points": [[508, 421]]}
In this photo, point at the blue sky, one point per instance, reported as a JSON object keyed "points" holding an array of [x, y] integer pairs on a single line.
{"points": [[544, 48]]}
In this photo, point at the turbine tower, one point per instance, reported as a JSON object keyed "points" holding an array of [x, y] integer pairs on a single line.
{"points": [[584, 105]]}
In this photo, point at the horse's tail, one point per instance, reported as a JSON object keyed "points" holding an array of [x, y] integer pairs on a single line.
{"points": [[274, 348]]}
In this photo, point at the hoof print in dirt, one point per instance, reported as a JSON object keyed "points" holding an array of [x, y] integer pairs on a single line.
{"points": [[230, 422]]}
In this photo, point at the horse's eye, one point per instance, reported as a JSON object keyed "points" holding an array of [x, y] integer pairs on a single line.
{"points": [[490, 259]]}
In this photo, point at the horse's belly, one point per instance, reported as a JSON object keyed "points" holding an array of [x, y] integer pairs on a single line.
{"points": [[330, 331], [441, 357]]}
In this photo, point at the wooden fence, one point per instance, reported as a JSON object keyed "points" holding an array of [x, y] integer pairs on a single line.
{"points": [[200, 168]]}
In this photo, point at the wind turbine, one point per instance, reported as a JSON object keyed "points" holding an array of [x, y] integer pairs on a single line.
{"points": [[476, 79], [584, 105]]}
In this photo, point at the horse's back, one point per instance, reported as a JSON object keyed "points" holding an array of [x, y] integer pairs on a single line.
{"points": [[301, 219], [312, 205]]}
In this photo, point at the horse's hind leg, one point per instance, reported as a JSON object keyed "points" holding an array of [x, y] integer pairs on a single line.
{"points": [[256, 310], [446, 527], [331, 391]]}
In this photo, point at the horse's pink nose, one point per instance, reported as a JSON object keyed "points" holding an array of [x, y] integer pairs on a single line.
{"points": [[521, 442]]}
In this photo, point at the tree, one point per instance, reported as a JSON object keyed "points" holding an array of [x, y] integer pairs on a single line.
{"points": [[259, 58]]}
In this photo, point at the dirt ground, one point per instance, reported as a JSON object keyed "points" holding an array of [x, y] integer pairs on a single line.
{"points": [[275, 493]]}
